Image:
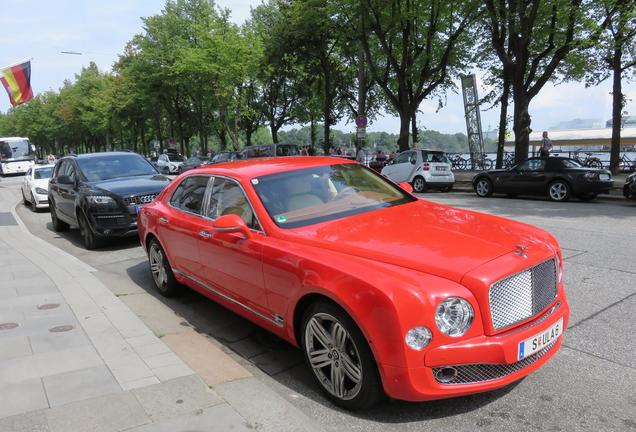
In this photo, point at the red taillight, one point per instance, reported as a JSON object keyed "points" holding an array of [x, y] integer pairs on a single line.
{"points": [[427, 167]]}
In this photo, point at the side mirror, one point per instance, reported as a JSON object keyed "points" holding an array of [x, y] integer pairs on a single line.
{"points": [[231, 223], [65, 180], [407, 187]]}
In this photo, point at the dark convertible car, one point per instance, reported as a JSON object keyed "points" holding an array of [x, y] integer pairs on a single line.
{"points": [[557, 177], [101, 193]]}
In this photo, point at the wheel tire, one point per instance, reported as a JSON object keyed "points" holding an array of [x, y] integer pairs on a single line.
{"points": [[368, 389], [58, 225], [161, 270], [419, 184], [34, 204], [588, 197], [89, 238], [483, 187], [559, 191], [24, 200]]}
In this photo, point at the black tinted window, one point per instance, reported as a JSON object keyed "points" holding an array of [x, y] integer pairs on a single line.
{"points": [[112, 166], [189, 194]]}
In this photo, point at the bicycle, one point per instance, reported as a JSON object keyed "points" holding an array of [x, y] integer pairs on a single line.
{"points": [[508, 160], [625, 164], [458, 162], [481, 162], [589, 161]]}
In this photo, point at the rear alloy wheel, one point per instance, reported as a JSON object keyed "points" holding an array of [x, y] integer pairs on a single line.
{"points": [[419, 184], [161, 271], [483, 188], [88, 236], [58, 225], [339, 357], [559, 191]]}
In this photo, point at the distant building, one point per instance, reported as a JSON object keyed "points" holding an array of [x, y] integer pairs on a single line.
{"points": [[627, 121]]}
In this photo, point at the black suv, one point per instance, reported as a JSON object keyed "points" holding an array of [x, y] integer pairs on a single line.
{"points": [[101, 194]]}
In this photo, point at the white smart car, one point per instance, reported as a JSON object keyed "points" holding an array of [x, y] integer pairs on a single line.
{"points": [[35, 186], [424, 169]]}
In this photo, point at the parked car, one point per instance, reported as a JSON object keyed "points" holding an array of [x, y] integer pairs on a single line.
{"points": [[269, 150], [559, 178], [101, 194], [629, 189], [35, 186], [424, 169], [169, 163], [192, 163], [383, 292], [225, 156]]}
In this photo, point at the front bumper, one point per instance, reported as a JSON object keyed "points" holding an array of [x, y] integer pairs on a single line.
{"points": [[41, 201], [492, 358], [116, 223], [597, 187]]}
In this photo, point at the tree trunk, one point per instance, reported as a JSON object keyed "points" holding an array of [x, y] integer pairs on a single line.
{"points": [[503, 120], [414, 128], [403, 140], [617, 111], [274, 129], [521, 126], [327, 109], [312, 131], [362, 85], [158, 126]]}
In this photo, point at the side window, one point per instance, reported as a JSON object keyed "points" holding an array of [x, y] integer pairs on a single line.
{"points": [[190, 193], [413, 157], [403, 157], [70, 170], [532, 165], [227, 197], [59, 168]]}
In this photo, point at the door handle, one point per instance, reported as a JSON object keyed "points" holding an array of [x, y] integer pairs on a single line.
{"points": [[205, 234], [163, 220]]}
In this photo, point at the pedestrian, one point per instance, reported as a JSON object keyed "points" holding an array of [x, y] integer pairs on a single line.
{"points": [[546, 145]]}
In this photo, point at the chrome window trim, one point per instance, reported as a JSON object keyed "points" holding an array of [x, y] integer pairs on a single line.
{"points": [[275, 319]]}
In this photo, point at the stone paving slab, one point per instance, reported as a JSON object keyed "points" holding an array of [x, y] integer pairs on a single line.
{"points": [[22, 396], [79, 385], [34, 421], [110, 413], [176, 397], [219, 418]]}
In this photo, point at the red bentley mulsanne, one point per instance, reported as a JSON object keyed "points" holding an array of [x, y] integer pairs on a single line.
{"points": [[384, 293]]}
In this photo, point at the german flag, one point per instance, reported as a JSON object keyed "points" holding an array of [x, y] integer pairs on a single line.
{"points": [[17, 81]]}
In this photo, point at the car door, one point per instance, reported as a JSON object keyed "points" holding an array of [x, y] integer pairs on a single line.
{"points": [[182, 224], [529, 177], [233, 264], [66, 192], [401, 167]]}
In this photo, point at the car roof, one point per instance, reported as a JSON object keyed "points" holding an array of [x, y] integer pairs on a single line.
{"points": [[101, 154], [256, 167]]}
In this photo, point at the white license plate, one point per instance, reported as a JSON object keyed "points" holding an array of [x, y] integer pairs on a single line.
{"points": [[604, 177], [539, 341], [440, 168]]}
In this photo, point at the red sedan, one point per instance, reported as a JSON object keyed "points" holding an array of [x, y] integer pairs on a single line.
{"points": [[384, 293]]}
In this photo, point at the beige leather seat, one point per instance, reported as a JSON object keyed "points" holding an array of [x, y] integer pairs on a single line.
{"points": [[301, 196]]}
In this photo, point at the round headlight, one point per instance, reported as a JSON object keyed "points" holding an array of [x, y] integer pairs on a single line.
{"points": [[418, 337], [454, 316]]}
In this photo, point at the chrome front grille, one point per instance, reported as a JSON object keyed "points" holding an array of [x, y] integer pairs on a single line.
{"points": [[140, 199], [522, 295], [480, 372]]}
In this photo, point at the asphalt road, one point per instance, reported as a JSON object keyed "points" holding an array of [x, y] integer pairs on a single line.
{"points": [[590, 385]]}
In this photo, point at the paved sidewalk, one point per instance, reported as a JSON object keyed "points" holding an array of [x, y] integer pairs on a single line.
{"points": [[74, 357]]}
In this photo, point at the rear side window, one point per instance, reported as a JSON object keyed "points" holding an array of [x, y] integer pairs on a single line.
{"points": [[189, 194], [434, 157]]}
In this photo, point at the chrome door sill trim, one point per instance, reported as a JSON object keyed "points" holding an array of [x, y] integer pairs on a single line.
{"points": [[278, 321]]}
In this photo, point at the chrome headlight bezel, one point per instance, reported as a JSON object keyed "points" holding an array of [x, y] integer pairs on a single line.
{"points": [[41, 191], [450, 325], [418, 338], [103, 200]]}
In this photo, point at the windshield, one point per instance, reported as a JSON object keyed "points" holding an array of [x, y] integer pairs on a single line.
{"points": [[14, 149], [42, 173], [434, 157], [312, 195], [108, 167]]}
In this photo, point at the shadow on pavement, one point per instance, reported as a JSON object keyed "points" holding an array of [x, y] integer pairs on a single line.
{"points": [[284, 362]]}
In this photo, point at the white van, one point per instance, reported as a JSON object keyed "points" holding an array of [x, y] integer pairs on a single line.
{"points": [[424, 169]]}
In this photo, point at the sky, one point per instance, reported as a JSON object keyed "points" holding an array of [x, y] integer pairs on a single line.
{"points": [[99, 30]]}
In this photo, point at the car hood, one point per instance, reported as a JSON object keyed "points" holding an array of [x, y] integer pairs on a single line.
{"points": [[125, 186], [41, 183], [427, 237]]}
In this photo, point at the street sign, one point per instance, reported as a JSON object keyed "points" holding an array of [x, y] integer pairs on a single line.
{"points": [[361, 133], [361, 121]]}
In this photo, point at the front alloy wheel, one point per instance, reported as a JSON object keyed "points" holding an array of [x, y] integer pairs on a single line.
{"points": [[419, 184], [339, 357], [88, 236]]}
